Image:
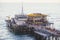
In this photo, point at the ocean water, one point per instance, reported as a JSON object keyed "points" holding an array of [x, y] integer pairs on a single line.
{"points": [[5, 34]]}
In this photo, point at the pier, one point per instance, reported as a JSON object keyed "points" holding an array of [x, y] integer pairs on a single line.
{"points": [[45, 34], [48, 36]]}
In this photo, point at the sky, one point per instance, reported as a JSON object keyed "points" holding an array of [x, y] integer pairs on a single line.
{"points": [[31, 1], [15, 8], [49, 7]]}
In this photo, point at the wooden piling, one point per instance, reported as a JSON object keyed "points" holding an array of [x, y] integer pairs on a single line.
{"points": [[56, 38]]}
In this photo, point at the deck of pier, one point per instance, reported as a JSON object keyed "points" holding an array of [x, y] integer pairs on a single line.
{"points": [[46, 33]]}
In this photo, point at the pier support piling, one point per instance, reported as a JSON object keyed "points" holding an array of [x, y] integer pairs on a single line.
{"points": [[56, 38], [48, 38]]}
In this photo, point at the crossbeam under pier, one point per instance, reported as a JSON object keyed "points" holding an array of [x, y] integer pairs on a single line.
{"points": [[46, 36]]}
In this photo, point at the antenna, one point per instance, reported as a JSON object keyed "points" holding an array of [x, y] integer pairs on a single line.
{"points": [[22, 13]]}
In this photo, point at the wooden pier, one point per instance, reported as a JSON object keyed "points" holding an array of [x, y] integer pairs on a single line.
{"points": [[45, 33], [47, 36]]}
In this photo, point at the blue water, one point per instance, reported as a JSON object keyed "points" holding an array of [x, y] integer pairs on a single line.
{"points": [[6, 35]]}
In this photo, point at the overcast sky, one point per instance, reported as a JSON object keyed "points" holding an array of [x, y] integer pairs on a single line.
{"points": [[32, 1], [15, 8]]}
